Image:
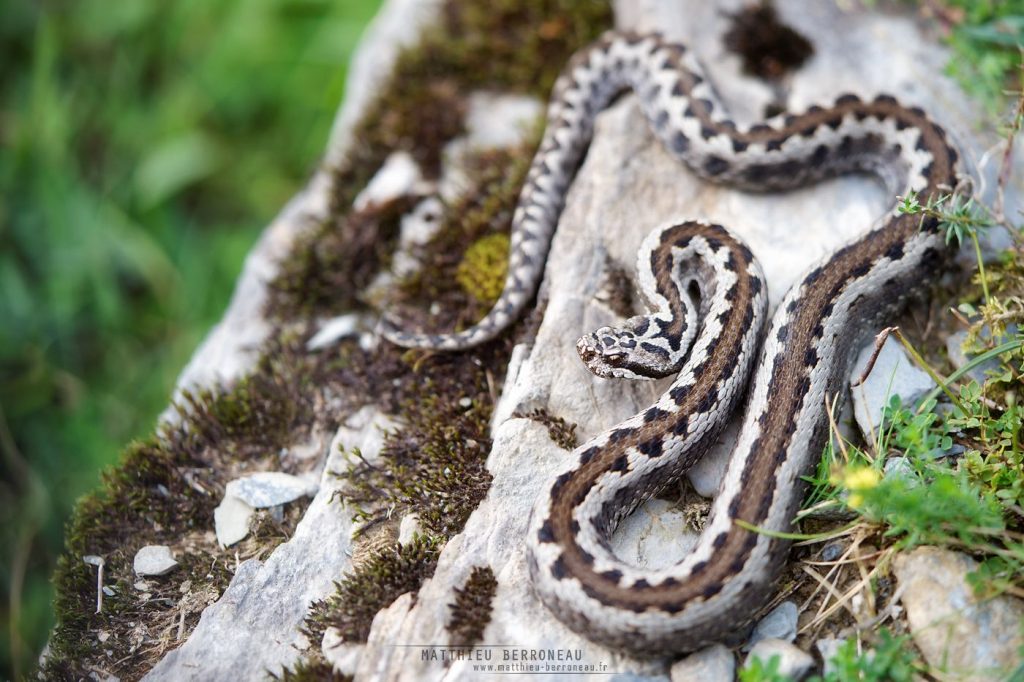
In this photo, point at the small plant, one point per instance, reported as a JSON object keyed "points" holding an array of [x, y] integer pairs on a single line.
{"points": [[891, 660], [758, 670]]}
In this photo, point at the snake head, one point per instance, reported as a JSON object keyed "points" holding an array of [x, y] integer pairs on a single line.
{"points": [[618, 354]]}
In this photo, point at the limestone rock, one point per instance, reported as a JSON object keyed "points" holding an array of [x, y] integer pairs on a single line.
{"points": [[231, 520], [344, 656], [154, 560], [894, 374], [715, 662], [963, 637], [243, 635], [794, 662], [780, 623], [268, 489], [627, 185]]}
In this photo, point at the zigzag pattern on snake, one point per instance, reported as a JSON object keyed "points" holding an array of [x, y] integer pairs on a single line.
{"points": [[710, 339]]}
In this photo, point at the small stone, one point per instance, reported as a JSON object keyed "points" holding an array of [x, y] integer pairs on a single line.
{"points": [[655, 536], [141, 585], [892, 374], [399, 176], [408, 529], [268, 489], [500, 120], [154, 560], [334, 330], [833, 550], [793, 662], [969, 638], [103, 636], [828, 647], [957, 356], [780, 623], [715, 662], [109, 591], [900, 467], [344, 656], [231, 520]]}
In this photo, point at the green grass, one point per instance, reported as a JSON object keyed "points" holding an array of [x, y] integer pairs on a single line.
{"points": [[144, 146]]}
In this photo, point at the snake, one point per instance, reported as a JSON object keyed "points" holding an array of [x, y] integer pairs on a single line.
{"points": [[708, 326]]}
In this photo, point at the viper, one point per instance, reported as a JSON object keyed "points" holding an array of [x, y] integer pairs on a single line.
{"points": [[708, 300]]}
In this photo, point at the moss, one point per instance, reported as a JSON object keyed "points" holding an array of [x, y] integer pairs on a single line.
{"points": [[374, 586], [318, 670], [769, 49], [434, 466], [471, 611], [482, 215], [481, 272], [165, 489], [560, 431], [513, 45]]}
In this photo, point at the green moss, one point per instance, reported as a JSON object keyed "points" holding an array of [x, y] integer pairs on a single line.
{"points": [[515, 45], [471, 611], [166, 488], [481, 272], [483, 215], [313, 671], [374, 586], [560, 431]]}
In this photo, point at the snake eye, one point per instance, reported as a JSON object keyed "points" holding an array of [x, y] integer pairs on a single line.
{"points": [[614, 358]]}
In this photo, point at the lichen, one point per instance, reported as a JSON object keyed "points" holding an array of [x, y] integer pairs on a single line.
{"points": [[471, 610], [481, 272]]}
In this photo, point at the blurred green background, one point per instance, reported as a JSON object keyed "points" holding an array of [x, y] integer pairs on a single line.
{"points": [[143, 146]]}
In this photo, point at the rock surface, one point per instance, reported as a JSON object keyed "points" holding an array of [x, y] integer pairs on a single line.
{"points": [[713, 663], [268, 489], [893, 374], [793, 663], [963, 637], [231, 521], [626, 185], [780, 623]]}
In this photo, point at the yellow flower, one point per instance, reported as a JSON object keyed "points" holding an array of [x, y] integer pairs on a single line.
{"points": [[858, 480]]}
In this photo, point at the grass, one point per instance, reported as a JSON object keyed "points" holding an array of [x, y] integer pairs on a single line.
{"points": [[145, 145], [949, 473]]}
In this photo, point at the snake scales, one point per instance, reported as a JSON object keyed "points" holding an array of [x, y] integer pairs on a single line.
{"points": [[708, 302]]}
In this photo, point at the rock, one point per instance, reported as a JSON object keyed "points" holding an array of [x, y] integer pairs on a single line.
{"points": [[154, 560], [334, 330], [408, 529], [626, 185], [794, 663], [957, 356], [254, 628], [964, 637], [231, 520], [398, 177], [268, 489], [715, 662], [828, 647], [496, 119], [780, 623], [656, 535], [901, 467], [344, 656], [893, 374]]}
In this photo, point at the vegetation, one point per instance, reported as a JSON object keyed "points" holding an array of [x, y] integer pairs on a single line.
{"points": [[145, 145]]}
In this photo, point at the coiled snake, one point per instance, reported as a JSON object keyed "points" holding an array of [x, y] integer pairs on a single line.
{"points": [[708, 301]]}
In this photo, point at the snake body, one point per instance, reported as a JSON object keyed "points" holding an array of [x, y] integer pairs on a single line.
{"points": [[708, 300]]}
